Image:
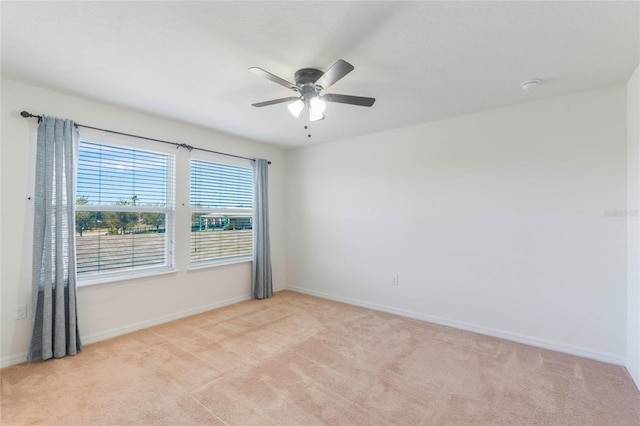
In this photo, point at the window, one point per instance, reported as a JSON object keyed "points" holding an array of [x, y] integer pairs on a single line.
{"points": [[124, 210], [221, 212]]}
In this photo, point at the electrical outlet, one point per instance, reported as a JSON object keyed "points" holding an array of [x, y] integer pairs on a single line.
{"points": [[21, 312], [394, 280]]}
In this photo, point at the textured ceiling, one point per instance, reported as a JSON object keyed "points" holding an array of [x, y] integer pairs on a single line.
{"points": [[422, 61]]}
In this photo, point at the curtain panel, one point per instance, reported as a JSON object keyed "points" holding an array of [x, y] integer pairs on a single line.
{"points": [[54, 312], [261, 269]]}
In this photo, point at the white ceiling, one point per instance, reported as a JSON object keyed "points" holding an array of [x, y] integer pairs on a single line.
{"points": [[422, 61]]}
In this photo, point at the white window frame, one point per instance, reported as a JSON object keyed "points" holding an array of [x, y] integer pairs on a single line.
{"points": [[248, 212], [169, 210]]}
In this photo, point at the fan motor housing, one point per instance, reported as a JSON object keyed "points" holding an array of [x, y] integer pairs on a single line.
{"points": [[307, 76]]}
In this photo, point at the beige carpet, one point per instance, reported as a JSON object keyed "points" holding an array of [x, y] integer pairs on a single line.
{"points": [[298, 360]]}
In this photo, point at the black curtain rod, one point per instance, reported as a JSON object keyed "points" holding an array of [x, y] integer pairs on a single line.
{"points": [[26, 114]]}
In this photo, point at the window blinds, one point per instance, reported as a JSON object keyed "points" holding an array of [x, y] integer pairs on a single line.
{"points": [[124, 209], [221, 211]]}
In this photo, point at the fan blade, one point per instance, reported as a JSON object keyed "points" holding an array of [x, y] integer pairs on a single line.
{"points": [[262, 73], [335, 73], [275, 101], [348, 99]]}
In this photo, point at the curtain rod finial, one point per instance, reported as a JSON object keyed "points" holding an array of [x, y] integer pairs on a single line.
{"points": [[26, 114]]}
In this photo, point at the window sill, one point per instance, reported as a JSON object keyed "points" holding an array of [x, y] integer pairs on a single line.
{"points": [[214, 264], [117, 278]]}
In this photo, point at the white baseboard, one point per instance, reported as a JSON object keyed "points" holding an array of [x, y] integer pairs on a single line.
{"points": [[13, 360], [635, 376], [167, 318], [103, 335], [519, 338], [527, 340], [96, 337]]}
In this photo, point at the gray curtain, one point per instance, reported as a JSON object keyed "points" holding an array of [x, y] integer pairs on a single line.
{"points": [[261, 272], [54, 315]]}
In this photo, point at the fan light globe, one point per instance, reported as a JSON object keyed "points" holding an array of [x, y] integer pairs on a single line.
{"points": [[315, 116], [317, 105], [296, 107]]}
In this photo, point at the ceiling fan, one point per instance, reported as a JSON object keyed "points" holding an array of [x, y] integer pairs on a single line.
{"points": [[309, 83]]}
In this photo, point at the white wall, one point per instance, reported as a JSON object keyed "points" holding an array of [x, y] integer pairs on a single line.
{"points": [[633, 226], [111, 309], [494, 222]]}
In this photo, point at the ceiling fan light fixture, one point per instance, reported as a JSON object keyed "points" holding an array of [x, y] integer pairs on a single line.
{"points": [[296, 107], [315, 116], [317, 105], [309, 82]]}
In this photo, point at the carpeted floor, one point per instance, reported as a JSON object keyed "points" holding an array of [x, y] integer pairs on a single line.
{"points": [[300, 360]]}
